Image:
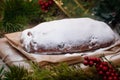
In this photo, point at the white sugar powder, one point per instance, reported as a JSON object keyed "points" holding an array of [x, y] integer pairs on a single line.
{"points": [[67, 33]]}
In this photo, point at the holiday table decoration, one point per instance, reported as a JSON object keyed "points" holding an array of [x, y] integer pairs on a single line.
{"points": [[105, 69]]}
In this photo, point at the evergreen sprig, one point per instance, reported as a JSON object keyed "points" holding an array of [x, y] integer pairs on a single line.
{"points": [[17, 13], [1, 72], [17, 73], [51, 72], [63, 72], [14, 8]]}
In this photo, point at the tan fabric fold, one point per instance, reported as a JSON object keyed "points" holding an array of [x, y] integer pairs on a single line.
{"points": [[115, 59], [11, 56]]}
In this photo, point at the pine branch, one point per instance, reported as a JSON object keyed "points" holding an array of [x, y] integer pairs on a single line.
{"points": [[16, 73]]}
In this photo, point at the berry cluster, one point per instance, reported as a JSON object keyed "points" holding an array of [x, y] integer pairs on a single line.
{"points": [[103, 68], [45, 4]]}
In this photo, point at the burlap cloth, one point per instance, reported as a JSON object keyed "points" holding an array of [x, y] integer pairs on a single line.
{"points": [[11, 56], [112, 53]]}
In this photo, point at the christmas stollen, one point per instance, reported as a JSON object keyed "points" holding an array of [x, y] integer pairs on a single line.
{"points": [[43, 36], [67, 36]]}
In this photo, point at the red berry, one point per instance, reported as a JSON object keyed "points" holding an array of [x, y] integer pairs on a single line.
{"points": [[108, 73], [85, 62], [50, 2], [115, 78], [110, 66], [110, 70], [113, 70], [101, 66], [91, 63], [92, 59], [116, 74], [86, 58], [110, 78], [112, 74], [96, 65], [101, 72], [41, 2], [105, 63], [43, 6], [105, 78], [105, 68], [46, 4], [98, 60]]}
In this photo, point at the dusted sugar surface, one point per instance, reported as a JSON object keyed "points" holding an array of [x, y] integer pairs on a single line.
{"points": [[67, 33]]}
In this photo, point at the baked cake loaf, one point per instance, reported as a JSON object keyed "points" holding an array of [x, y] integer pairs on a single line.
{"points": [[67, 35]]}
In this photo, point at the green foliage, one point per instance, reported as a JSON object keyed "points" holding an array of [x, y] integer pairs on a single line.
{"points": [[9, 27], [1, 8], [108, 11], [1, 72], [62, 72], [65, 72], [40, 73], [51, 72], [17, 13], [15, 8], [17, 73]]}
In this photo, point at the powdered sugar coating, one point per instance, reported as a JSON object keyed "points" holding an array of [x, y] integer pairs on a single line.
{"points": [[67, 33]]}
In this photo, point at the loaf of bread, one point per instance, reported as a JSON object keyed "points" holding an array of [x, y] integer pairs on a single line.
{"points": [[67, 35]]}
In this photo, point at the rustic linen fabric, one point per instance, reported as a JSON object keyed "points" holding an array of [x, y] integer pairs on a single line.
{"points": [[111, 53], [11, 56]]}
